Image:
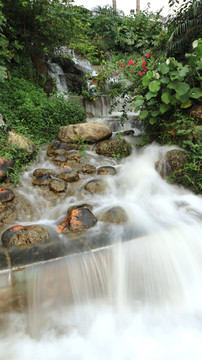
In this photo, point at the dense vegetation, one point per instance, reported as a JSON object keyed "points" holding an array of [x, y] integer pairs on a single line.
{"points": [[151, 61]]}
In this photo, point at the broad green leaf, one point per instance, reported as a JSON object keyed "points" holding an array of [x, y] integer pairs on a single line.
{"points": [[143, 114], [199, 65], [138, 102], [174, 75], [196, 93], [186, 104], [165, 80], [154, 86], [182, 88], [155, 113], [164, 108], [183, 98], [198, 50], [183, 72], [152, 121], [145, 80], [152, 102], [173, 84], [150, 95], [166, 98], [163, 68]]}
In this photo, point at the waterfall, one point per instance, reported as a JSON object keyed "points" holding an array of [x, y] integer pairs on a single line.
{"points": [[56, 72]]}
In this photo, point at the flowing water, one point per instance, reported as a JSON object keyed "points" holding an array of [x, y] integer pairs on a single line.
{"points": [[137, 300]]}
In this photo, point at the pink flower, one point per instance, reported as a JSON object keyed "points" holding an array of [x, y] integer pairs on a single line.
{"points": [[131, 62], [140, 73], [122, 65], [116, 72], [147, 55]]}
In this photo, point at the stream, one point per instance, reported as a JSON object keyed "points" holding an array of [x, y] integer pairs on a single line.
{"points": [[136, 300]]}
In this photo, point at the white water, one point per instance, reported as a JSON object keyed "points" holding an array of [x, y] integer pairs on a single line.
{"points": [[140, 301], [58, 76]]}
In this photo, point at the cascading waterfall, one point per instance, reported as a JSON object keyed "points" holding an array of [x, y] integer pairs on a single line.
{"points": [[138, 299], [58, 76]]}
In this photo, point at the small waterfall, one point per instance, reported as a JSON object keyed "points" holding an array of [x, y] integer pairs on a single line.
{"points": [[57, 74]]}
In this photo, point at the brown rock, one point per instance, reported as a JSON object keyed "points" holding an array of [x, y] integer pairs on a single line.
{"points": [[43, 172], [21, 142], [116, 148], [91, 132], [5, 167], [58, 185], [89, 169], [115, 215], [78, 220], [68, 174], [42, 180], [106, 170], [173, 160], [96, 186], [20, 236], [6, 195]]}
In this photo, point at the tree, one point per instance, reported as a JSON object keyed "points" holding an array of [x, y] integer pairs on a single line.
{"points": [[114, 5], [137, 6]]}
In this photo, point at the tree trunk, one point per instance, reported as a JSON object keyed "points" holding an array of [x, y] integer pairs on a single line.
{"points": [[114, 5], [137, 6]]}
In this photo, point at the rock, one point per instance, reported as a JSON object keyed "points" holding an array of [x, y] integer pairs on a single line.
{"points": [[86, 206], [78, 220], [58, 148], [117, 148], [115, 215], [21, 142], [196, 113], [127, 133], [58, 185], [60, 158], [7, 212], [173, 160], [74, 157], [6, 195], [106, 170], [96, 186], [19, 236], [42, 180], [68, 174], [89, 169], [43, 172], [5, 167], [91, 132]]}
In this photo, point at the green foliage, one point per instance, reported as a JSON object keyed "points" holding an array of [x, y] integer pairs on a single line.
{"points": [[186, 132], [171, 85], [29, 111]]}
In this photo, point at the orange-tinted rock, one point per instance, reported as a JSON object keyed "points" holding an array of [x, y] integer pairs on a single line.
{"points": [[106, 170], [42, 172], [20, 236], [5, 167], [42, 180], [6, 195], [78, 220], [68, 174]]}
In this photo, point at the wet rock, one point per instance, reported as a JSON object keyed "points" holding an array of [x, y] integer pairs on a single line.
{"points": [[7, 212], [78, 220], [86, 206], [117, 148], [106, 170], [6, 195], [74, 156], [5, 167], [19, 236], [68, 174], [89, 169], [96, 186], [115, 215], [91, 132], [60, 159], [42, 180], [58, 148], [43, 172], [21, 142], [58, 185], [173, 160]]}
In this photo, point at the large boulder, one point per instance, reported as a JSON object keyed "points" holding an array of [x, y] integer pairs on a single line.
{"points": [[5, 167], [21, 142], [20, 236], [91, 132], [115, 215], [116, 148], [78, 220], [173, 160]]}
